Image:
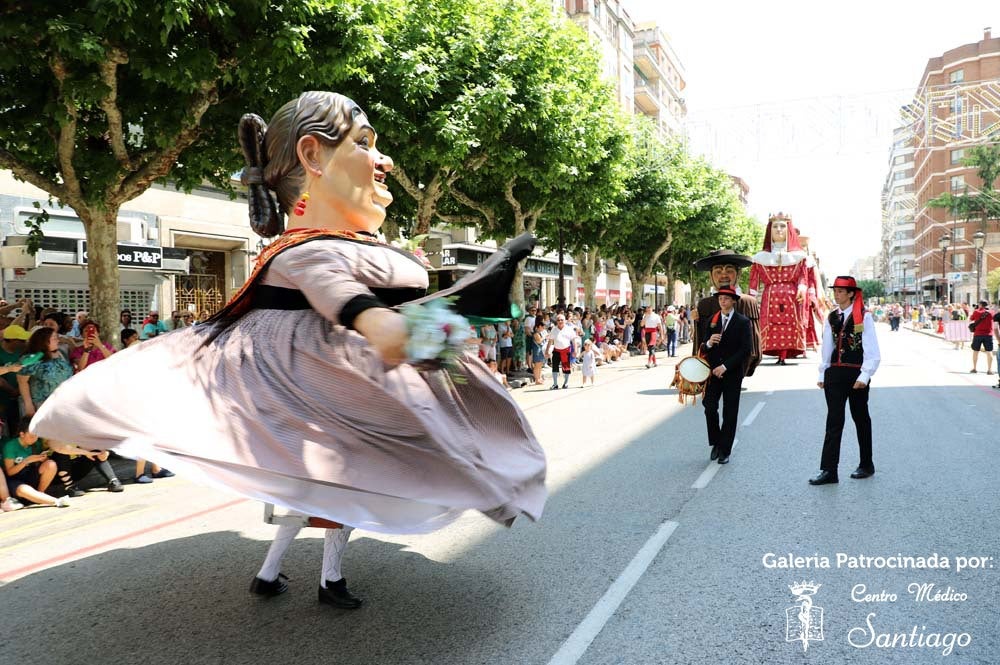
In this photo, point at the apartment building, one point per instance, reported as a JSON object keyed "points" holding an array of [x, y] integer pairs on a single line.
{"points": [[897, 266], [956, 106], [612, 29], [659, 79]]}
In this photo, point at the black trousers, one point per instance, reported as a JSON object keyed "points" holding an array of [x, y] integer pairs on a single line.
{"points": [[838, 386], [728, 389], [73, 469]]}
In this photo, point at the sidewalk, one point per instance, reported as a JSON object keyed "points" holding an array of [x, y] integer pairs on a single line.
{"points": [[963, 361]]}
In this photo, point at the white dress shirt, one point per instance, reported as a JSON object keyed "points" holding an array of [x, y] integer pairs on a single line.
{"points": [[869, 341]]}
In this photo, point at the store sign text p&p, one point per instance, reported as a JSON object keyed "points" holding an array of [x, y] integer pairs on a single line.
{"points": [[131, 256]]}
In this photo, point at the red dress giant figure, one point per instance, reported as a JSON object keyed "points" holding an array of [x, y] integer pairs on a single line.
{"points": [[780, 279], [814, 309]]}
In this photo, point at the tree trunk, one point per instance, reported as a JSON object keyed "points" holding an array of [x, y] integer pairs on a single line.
{"points": [[390, 229], [586, 262], [638, 283], [102, 271]]}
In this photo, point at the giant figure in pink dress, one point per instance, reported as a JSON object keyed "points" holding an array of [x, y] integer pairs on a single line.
{"points": [[780, 279]]}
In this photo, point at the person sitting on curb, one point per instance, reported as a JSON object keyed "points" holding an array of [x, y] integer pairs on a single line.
{"points": [[29, 469]]}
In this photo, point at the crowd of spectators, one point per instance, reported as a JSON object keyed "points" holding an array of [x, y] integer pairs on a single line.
{"points": [[40, 349], [576, 339], [981, 322]]}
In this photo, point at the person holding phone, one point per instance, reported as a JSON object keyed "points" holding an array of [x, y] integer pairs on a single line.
{"points": [[92, 350], [29, 469]]}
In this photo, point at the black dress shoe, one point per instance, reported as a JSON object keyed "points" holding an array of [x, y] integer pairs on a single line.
{"points": [[269, 589], [824, 478], [862, 472], [337, 595], [724, 459], [715, 453]]}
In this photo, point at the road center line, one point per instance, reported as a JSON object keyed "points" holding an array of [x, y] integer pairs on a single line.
{"points": [[579, 641], [753, 415], [706, 476]]}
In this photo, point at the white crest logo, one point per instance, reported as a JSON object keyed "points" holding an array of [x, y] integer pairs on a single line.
{"points": [[804, 622]]}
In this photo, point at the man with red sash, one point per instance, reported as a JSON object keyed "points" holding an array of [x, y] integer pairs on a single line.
{"points": [[848, 360]]}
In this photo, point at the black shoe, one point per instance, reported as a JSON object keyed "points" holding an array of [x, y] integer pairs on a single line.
{"points": [[73, 492], [715, 453], [269, 589], [115, 486], [862, 472], [824, 478], [724, 459], [337, 595]]}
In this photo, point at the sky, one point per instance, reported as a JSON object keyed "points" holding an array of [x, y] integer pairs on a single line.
{"points": [[800, 98]]}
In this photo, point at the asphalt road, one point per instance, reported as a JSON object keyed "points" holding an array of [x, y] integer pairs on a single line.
{"points": [[647, 553]]}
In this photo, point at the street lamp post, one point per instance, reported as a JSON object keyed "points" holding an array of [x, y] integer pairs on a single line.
{"points": [[979, 241], [943, 243], [902, 289]]}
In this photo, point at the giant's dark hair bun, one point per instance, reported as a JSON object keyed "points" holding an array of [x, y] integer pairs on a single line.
{"points": [[265, 218]]}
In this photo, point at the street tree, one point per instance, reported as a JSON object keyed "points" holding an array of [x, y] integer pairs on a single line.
{"points": [[663, 189], [556, 137], [872, 288], [443, 99], [98, 101]]}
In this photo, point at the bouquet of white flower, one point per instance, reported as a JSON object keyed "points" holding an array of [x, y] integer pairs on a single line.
{"points": [[437, 333]]}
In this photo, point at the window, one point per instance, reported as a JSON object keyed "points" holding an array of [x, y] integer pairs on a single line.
{"points": [[901, 175], [958, 233], [958, 261], [957, 76], [957, 183], [957, 156]]}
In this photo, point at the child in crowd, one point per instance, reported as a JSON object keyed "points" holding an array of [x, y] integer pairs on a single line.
{"points": [[588, 362], [497, 374]]}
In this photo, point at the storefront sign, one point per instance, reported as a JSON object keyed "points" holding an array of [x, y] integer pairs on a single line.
{"points": [[130, 256]]}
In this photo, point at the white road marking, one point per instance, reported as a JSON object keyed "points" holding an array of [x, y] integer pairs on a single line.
{"points": [[579, 641], [706, 476], [753, 415]]}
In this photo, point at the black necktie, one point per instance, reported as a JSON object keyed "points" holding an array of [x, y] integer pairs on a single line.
{"points": [[725, 322]]}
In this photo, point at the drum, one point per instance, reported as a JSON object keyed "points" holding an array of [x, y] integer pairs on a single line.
{"points": [[691, 377]]}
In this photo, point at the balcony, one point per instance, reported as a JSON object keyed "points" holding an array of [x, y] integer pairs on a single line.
{"points": [[647, 98], [646, 61]]}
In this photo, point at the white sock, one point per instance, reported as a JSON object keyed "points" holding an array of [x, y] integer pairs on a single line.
{"points": [[334, 544], [272, 564]]}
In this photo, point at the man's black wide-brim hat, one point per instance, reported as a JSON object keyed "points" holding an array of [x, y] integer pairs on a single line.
{"points": [[723, 257]]}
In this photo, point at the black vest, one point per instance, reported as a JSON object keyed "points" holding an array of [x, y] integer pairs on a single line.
{"points": [[847, 348]]}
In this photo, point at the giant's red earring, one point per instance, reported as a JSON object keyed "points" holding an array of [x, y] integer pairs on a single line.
{"points": [[300, 207]]}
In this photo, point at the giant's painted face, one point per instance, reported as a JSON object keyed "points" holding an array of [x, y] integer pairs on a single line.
{"points": [[725, 275], [779, 231]]}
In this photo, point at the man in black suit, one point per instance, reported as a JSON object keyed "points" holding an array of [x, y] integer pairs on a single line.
{"points": [[726, 350]]}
